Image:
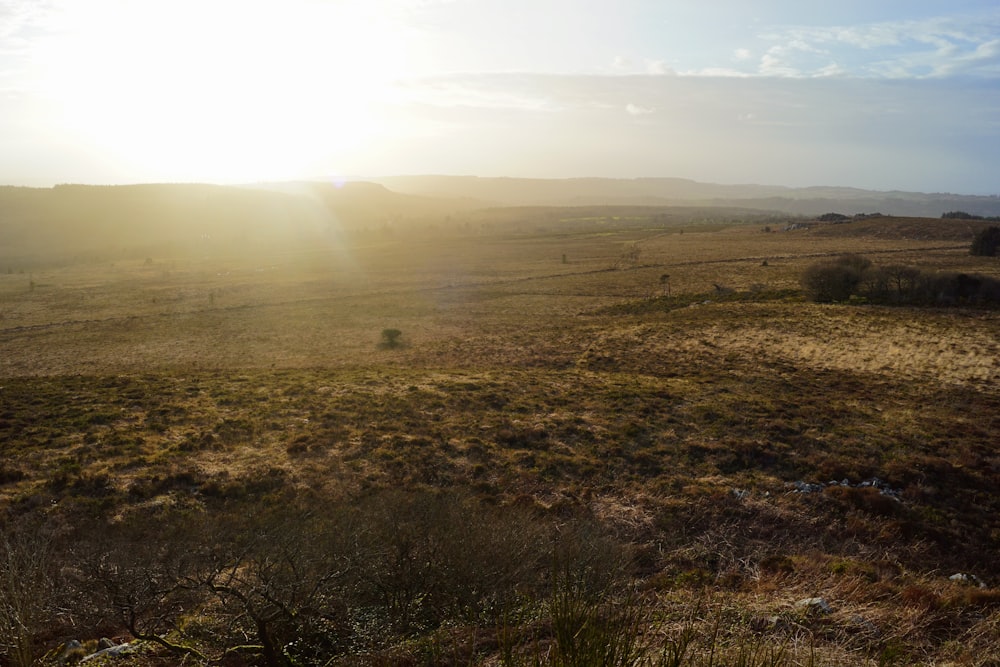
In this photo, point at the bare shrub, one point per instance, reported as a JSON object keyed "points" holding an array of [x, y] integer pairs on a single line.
{"points": [[830, 281], [27, 584], [425, 557], [277, 573], [135, 575]]}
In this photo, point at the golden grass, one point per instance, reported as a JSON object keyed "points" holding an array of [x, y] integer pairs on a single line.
{"points": [[938, 345], [191, 383]]}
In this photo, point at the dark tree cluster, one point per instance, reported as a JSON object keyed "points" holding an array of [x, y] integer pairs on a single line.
{"points": [[962, 215], [854, 277], [986, 242]]}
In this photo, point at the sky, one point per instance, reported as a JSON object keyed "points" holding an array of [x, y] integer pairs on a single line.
{"points": [[877, 94]]}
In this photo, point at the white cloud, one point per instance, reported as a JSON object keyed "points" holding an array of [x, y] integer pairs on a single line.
{"points": [[939, 46], [659, 68], [742, 54], [15, 15], [716, 72], [833, 69], [636, 110], [988, 50], [775, 63], [22, 21], [863, 37], [985, 58]]}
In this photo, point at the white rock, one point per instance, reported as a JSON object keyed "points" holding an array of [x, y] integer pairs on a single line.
{"points": [[970, 579], [815, 605]]}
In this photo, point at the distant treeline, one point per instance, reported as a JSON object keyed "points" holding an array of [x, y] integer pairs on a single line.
{"points": [[840, 217], [962, 215]]}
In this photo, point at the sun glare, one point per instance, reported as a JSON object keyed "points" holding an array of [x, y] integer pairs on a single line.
{"points": [[226, 91]]}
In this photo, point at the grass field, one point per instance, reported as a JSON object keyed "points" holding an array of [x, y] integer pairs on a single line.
{"points": [[646, 403]]}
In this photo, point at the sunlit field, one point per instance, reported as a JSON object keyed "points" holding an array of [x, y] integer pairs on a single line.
{"points": [[645, 407]]}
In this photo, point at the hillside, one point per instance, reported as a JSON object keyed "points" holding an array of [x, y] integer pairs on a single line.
{"points": [[683, 192]]}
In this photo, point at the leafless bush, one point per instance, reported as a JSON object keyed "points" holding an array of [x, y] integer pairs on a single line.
{"points": [[425, 558], [26, 590]]}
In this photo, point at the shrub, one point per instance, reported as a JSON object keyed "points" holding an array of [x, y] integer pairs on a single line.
{"points": [[854, 262], [9, 475], [26, 586], [834, 281], [827, 282], [986, 242], [390, 338], [426, 558], [588, 632]]}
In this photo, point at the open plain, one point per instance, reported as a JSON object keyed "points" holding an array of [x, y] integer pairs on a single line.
{"points": [[628, 410]]}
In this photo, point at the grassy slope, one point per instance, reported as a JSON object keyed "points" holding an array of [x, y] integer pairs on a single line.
{"points": [[574, 387]]}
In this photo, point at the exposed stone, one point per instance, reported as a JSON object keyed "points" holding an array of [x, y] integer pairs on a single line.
{"points": [[112, 651], [864, 624], [805, 487], [768, 623], [883, 488], [970, 579], [814, 605]]}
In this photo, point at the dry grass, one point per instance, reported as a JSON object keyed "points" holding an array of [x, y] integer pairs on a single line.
{"points": [[202, 383]]}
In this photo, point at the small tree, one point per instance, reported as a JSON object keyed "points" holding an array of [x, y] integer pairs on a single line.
{"points": [[390, 338], [986, 242], [665, 283], [902, 280]]}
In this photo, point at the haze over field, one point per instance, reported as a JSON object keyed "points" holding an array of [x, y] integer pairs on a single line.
{"points": [[894, 95]]}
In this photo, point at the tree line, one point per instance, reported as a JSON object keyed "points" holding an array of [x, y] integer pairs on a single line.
{"points": [[852, 277]]}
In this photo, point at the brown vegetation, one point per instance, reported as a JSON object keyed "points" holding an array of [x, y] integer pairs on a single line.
{"points": [[227, 459]]}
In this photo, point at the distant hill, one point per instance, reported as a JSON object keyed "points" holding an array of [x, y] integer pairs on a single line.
{"points": [[683, 192]]}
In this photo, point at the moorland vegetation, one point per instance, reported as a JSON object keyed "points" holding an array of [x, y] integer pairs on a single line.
{"points": [[545, 436]]}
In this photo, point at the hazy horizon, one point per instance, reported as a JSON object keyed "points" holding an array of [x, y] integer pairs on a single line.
{"points": [[338, 180], [880, 96], [389, 182]]}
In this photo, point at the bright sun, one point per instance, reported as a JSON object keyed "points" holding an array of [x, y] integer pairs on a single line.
{"points": [[226, 91]]}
